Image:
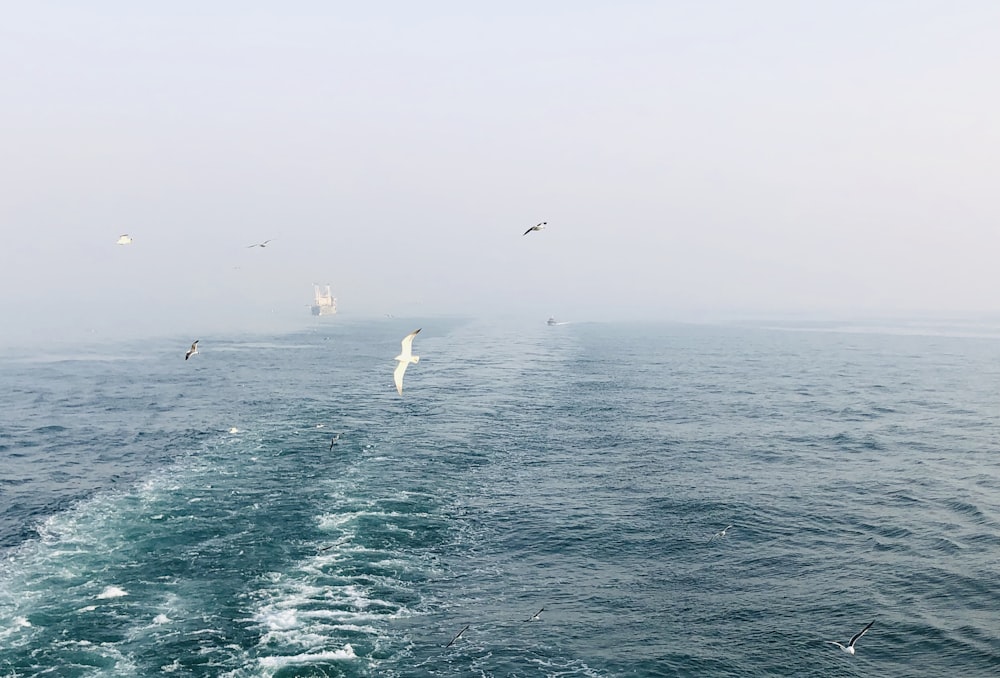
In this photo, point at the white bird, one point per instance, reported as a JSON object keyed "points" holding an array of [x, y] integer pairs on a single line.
{"points": [[124, 239], [259, 244], [536, 227], [721, 534], [405, 357], [192, 350], [850, 646]]}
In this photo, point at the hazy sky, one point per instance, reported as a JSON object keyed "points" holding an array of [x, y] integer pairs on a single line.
{"points": [[690, 158]]}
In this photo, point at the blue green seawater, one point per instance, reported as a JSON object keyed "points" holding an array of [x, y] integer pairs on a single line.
{"points": [[163, 517]]}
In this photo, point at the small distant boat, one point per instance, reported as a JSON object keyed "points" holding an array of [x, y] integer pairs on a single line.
{"points": [[551, 321]]}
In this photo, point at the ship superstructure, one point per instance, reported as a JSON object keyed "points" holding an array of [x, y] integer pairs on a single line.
{"points": [[325, 303]]}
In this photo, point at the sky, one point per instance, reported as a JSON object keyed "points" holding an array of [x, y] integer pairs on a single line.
{"points": [[691, 159]]}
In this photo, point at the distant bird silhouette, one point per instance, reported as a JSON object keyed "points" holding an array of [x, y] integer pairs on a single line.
{"points": [[192, 350], [124, 239], [536, 227], [534, 616], [259, 244], [459, 633], [405, 357], [334, 441], [850, 646]]}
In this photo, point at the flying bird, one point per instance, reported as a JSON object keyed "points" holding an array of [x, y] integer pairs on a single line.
{"points": [[459, 633], [534, 616], [124, 239], [192, 350], [405, 357], [850, 646], [259, 244], [721, 534], [536, 227], [334, 441]]}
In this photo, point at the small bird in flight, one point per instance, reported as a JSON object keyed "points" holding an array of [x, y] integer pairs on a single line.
{"points": [[405, 357], [534, 616], [536, 227], [124, 239], [334, 441], [259, 244], [850, 646], [459, 633], [192, 350], [721, 534]]}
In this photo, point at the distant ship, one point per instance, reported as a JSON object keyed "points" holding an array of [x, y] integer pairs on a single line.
{"points": [[551, 321], [325, 304]]}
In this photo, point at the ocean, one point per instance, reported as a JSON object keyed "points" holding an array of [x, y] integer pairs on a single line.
{"points": [[163, 517]]}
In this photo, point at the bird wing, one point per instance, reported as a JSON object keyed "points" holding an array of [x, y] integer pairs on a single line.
{"points": [[834, 642], [407, 343], [535, 616], [397, 375], [860, 633], [530, 230], [456, 637]]}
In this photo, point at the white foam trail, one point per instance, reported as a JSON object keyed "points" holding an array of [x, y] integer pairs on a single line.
{"points": [[112, 592], [347, 652], [281, 620]]}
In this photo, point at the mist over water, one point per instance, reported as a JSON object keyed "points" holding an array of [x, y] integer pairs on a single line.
{"points": [[583, 468]]}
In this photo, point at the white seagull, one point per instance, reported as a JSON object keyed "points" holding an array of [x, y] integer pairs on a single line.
{"points": [[124, 239], [721, 534], [850, 646], [192, 350], [405, 357], [536, 227], [259, 244]]}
